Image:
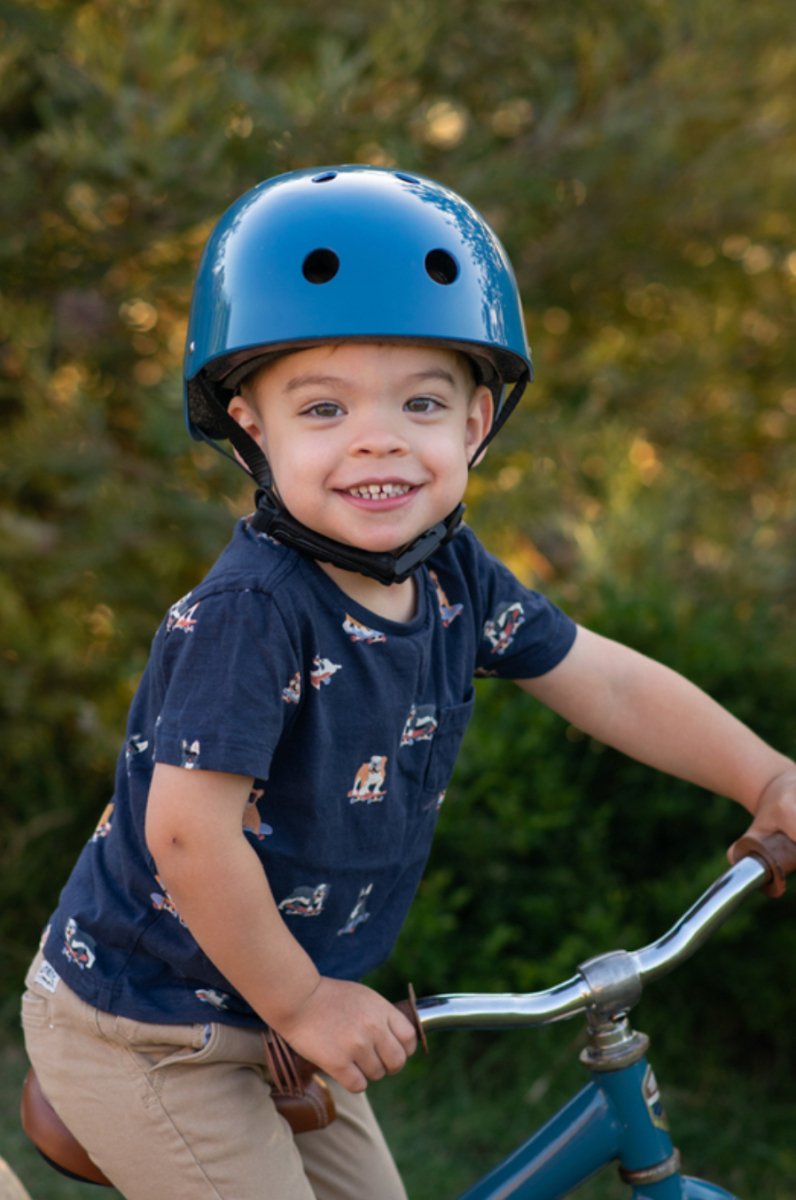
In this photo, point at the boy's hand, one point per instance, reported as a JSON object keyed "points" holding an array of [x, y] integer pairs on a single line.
{"points": [[776, 809], [351, 1032]]}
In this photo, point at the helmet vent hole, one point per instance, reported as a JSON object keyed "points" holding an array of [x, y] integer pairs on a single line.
{"points": [[441, 266], [325, 178], [320, 266], [406, 178]]}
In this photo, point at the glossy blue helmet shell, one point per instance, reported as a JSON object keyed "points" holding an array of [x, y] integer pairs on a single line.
{"points": [[348, 252]]}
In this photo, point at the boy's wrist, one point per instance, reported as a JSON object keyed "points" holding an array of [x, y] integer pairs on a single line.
{"points": [[775, 810], [780, 789], [292, 993]]}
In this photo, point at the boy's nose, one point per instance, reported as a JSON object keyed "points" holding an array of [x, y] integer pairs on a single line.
{"points": [[379, 438]]}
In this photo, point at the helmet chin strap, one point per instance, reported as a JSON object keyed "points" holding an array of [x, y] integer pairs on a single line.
{"points": [[387, 567]]}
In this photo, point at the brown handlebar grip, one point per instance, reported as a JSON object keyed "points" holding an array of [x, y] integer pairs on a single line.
{"points": [[778, 853], [409, 1009]]}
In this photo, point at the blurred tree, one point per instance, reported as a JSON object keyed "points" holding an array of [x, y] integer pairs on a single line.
{"points": [[637, 159]]}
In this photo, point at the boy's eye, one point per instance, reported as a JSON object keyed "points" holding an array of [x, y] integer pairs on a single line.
{"points": [[422, 404], [324, 408]]}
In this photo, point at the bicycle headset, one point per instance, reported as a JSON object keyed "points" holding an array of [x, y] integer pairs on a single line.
{"points": [[347, 253]]}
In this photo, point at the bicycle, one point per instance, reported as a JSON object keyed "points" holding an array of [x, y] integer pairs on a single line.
{"points": [[618, 1116]]}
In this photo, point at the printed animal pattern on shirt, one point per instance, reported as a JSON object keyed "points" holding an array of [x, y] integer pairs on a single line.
{"points": [[79, 948], [292, 693], [447, 611], [359, 913], [362, 633], [136, 744], [322, 671], [103, 826], [305, 901], [266, 537], [190, 753], [252, 822], [436, 803], [368, 787], [501, 630], [163, 902], [421, 724], [213, 996], [181, 617]]}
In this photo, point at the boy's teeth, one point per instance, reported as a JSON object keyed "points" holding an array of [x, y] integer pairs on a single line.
{"points": [[380, 491]]}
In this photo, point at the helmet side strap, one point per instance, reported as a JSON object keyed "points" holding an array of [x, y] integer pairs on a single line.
{"points": [[502, 416], [228, 427]]}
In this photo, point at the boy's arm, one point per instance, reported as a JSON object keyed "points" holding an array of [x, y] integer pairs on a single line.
{"points": [[653, 714], [194, 832]]}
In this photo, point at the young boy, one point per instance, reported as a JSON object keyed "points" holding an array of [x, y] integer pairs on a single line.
{"points": [[357, 335]]}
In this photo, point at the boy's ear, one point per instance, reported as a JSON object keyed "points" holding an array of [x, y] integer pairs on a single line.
{"points": [[479, 421], [247, 417]]}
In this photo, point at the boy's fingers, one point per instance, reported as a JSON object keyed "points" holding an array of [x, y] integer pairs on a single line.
{"points": [[351, 1078], [393, 1053], [402, 1023], [408, 1040]]}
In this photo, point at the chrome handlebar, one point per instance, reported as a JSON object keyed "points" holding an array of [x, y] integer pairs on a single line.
{"points": [[610, 983]]}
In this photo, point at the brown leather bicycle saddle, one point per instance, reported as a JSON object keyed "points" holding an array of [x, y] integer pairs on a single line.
{"points": [[51, 1137]]}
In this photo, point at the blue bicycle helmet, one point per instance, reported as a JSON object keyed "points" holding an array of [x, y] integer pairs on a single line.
{"points": [[345, 253]]}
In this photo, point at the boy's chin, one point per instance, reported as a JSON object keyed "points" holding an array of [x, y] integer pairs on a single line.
{"points": [[379, 541]]}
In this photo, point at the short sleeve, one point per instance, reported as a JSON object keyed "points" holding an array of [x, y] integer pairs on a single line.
{"points": [[230, 682], [522, 633]]}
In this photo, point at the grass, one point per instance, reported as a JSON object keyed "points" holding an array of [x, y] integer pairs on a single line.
{"points": [[451, 1116]]}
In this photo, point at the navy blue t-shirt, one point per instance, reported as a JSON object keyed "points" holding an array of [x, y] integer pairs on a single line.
{"points": [[349, 725]]}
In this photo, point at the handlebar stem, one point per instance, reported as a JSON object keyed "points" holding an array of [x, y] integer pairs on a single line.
{"points": [[613, 981]]}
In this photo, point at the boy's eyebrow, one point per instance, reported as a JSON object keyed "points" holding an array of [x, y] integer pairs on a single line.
{"points": [[300, 381], [434, 373]]}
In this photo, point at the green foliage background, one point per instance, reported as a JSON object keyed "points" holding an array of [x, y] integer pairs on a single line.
{"points": [[638, 160]]}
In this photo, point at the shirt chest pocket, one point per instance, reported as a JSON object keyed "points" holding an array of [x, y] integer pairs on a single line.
{"points": [[444, 745]]}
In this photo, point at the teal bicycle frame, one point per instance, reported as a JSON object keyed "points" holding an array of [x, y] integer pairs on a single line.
{"points": [[618, 1117], [611, 1120]]}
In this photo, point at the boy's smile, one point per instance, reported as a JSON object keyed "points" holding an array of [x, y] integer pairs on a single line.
{"points": [[369, 443]]}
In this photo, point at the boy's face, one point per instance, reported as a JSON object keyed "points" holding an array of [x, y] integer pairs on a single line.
{"points": [[368, 443]]}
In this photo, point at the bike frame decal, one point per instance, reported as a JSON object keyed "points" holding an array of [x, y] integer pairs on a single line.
{"points": [[652, 1099]]}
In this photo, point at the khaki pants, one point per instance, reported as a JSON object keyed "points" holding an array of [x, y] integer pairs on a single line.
{"points": [[184, 1112]]}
